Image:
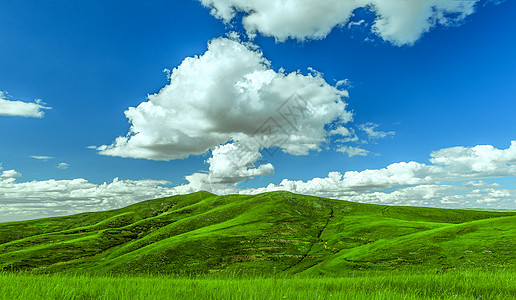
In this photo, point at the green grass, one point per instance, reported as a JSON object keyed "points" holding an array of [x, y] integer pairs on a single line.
{"points": [[469, 284], [269, 246], [271, 233]]}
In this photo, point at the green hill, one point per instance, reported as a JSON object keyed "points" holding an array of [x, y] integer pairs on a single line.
{"points": [[269, 233]]}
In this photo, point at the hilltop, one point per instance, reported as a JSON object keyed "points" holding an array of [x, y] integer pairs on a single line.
{"points": [[269, 233]]}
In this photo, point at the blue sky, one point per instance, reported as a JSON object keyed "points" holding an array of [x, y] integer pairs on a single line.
{"points": [[416, 92]]}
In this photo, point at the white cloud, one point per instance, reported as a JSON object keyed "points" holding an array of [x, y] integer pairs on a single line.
{"points": [[397, 174], [421, 195], [353, 151], [446, 196], [356, 23], [412, 183], [347, 135], [231, 102], [232, 163], [230, 93], [401, 22], [37, 199], [14, 108], [342, 131], [369, 128], [492, 197], [479, 184], [495, 2], [42, 157], [9, 174], [63, 166], [449, 165], [479, 161]]}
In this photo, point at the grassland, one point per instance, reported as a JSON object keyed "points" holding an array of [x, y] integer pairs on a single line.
{"points": [[269, 246], [266, 234], [469, 284]]}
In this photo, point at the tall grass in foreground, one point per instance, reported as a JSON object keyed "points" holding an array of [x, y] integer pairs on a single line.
{"points": [[471, 284]]}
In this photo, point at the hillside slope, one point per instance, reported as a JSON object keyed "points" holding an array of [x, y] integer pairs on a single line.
{"points": [[263, 234]]}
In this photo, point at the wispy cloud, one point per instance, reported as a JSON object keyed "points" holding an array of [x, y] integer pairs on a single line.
{"points": [[479, 184], [42, 157], [63, 166], [353, 151], [370, 129]]}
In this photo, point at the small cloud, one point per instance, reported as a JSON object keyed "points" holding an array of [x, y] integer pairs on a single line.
{"points": [[92, 147], [357, 23], [479, 183], [344, 83], [495, 2], [42, 157], [347, 135], [10, 174], [13, 108], [352, 138], [370, 127], [63, 166], [343, 131], [167, 71], [353, 151]]}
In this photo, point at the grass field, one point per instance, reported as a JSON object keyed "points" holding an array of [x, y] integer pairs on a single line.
{"points": [[272, 233], [269, 246], [467, 284]]}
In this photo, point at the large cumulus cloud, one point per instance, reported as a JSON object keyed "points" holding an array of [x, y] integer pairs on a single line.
{"points": [[230, 101], [227, 94]]}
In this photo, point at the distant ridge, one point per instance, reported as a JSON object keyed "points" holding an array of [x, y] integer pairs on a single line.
{"points": [[270, 233]]}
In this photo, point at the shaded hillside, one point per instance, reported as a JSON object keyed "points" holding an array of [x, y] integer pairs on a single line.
{"points": [[267, 233]]}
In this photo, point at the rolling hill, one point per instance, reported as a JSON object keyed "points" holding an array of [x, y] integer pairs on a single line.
{"points": [[270, 233]]}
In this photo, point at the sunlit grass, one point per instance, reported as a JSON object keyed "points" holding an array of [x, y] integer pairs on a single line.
{"points": [[469, 284], [269, 233]]}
